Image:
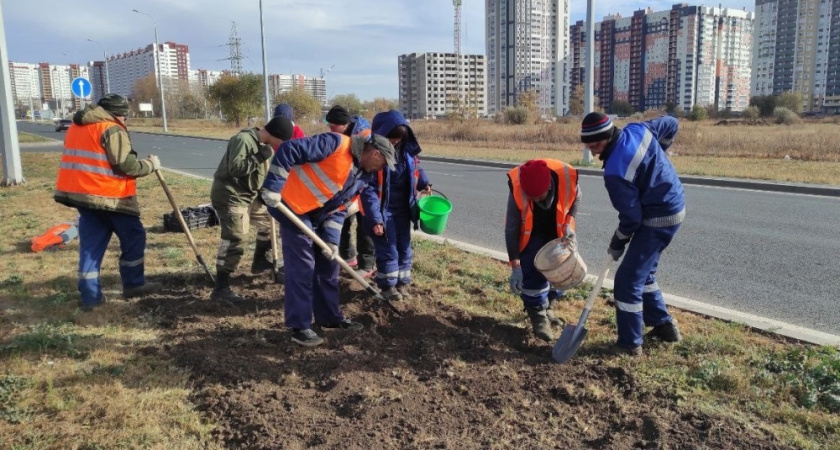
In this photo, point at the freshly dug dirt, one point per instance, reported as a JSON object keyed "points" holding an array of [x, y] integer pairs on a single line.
{"points": [[437, 377]]}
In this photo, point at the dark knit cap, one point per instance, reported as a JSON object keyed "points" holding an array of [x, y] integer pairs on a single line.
{"points": [[280, 127], [596, 127], [385, 147], [535, 177], [285, 110], [338, 115], [115, 104]]}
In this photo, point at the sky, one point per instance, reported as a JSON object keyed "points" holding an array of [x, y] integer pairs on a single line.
{"points": [[355, 42]]}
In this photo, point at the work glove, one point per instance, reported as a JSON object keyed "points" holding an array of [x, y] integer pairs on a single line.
{"points": [[332, 254], [265, 152], [154, 161], [516, 280], [271, 198], [569, 234], [617, 245]]}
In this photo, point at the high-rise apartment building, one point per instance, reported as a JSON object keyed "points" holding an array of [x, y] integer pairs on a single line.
{"points": [[527, 50], [797, 49], [126, 69], [314, 86], [26, 84], [46, 85], [431, 85], [685, 56]]}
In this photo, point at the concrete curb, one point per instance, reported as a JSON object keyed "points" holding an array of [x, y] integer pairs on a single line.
{"points": [[705, 309]]}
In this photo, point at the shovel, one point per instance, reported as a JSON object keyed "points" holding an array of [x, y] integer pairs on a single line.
{"points": [[315, 238], [183, 224], [275, 262], [573, 335]]}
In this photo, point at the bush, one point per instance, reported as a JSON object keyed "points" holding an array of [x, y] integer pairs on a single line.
{"points": [[697, 113], [517, 115], [785, 116], [752, 114]]}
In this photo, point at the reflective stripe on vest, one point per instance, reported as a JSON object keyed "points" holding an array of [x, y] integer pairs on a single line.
{"points": [[309, 186], [85, 168], [566, 193]]}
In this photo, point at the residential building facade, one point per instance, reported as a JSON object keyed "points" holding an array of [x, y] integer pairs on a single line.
{"points": [[126, 69], [798, 50], [46, 86], [678, 58], [314, 86], [433, 85], [527, 44]]}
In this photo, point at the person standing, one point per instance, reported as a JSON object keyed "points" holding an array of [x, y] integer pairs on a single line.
{"points": [[286, 110], [390, 206], [234, 196], [97, 177], [361, 255], [645, 190], [315, 178], [542, 204]]}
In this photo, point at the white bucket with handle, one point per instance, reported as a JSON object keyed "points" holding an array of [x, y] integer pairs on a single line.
{"points": [[561, 264]]}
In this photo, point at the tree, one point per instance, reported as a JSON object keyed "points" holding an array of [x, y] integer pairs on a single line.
{"points": [[576, 101], [349, 101], [528, 100], [190, 107], [765, 104], [240, 97], [517, 115], [305, 105], [697, 113], [790, 100], [380, 104], [752, 114], [146, 91], [621, 107]]}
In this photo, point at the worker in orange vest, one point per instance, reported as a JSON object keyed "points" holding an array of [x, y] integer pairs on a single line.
{"points": [[96, 176], [543, 200]]}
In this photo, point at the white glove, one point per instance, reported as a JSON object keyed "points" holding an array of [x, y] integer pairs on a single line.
{"points": [[569, 232], [332, 254], [155, 162], [271, 198], [516, 280]]}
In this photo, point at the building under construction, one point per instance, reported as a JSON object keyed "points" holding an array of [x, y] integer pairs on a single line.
{"points": [[680, 57]]}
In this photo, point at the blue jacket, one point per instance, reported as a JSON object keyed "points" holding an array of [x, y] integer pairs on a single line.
{"points": [[376, 198], [297, 152], [643, 185], [664, 129], [360, 124]]}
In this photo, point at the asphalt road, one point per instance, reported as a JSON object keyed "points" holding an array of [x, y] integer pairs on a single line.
{"points": [[764, 253]]}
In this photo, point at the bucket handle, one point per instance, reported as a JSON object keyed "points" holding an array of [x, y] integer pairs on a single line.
{"points": [[434, 192]]}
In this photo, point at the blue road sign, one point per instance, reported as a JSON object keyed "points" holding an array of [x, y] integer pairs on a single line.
{"points": [[81, 87]]}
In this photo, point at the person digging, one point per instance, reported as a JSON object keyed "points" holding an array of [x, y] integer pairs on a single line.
{"points": [[542, 204]]}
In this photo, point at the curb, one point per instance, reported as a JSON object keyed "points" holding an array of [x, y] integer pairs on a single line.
{"points": [[729, 315]]}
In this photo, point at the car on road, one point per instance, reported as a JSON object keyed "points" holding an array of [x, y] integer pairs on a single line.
{"points": [[63, 124]]}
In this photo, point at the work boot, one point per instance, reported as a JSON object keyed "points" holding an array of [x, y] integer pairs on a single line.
{"points": [[89, 308], [222, 291], [391, 294], [555, 321], [306, 338], [540, 322], [403, 290], [619, 350], [150, 287], [345, 324], [667, 332], [261, 262]]}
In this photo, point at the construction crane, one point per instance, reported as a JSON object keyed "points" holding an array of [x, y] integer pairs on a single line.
{"points": [[324, 73]]}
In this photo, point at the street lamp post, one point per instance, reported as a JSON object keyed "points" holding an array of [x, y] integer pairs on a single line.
{"points": [[265, 68], [105, 57], [156, 55]]}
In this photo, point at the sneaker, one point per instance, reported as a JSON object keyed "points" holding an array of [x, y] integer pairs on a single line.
{"points": [[306, 338], [540, 323], [225, 295], [89, 308], [345, 324], [391, 294], [138, 291], [619, 350], [666, 332], [403, 290]]}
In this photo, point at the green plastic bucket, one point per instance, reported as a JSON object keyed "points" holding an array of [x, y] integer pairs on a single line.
{"points": [[434, 210]]}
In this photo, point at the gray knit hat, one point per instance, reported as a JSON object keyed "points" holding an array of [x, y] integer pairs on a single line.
{"points": [[384, 146]]}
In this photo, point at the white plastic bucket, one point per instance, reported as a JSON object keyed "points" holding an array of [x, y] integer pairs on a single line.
{"points": [[561, 264]]}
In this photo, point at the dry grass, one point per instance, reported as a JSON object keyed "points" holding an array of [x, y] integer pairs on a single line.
{"points": [[82, 380], [26, 138], [701, 148]]}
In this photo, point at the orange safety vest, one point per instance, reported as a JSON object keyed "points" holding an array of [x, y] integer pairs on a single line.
{"points": [[309, 186], [566, 194], [85, 168]]}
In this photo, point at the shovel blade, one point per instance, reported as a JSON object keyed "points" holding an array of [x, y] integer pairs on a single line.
{"points": [[569, 343]]}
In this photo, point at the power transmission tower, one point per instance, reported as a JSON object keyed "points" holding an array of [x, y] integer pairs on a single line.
{"points": [[235, 44]]}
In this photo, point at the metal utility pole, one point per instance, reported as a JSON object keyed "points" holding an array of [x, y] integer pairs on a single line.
{"points": [[235, 44], [265, 68], [457, 36], [12, 169], [156, 55], [105, 57], [589, 86]]}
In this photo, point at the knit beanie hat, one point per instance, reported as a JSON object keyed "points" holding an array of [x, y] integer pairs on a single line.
{"points": [[595, 127], [535, 177], [338, 115], [285, 110], [280, 127]]}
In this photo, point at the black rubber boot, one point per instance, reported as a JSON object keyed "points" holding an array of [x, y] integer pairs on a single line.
{"points": [[222, 292], [540, 323], [555, 321], [667, 332], [261, 262]]}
